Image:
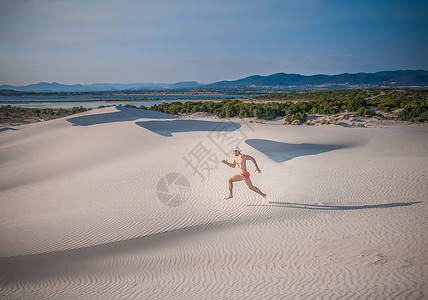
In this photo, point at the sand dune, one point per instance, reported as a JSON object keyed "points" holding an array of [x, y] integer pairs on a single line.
{"points": [[119, 203]]}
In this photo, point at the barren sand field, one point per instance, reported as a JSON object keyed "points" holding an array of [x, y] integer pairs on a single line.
{"points": [[120, 203]]}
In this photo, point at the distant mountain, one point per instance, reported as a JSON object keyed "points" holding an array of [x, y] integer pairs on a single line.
{"points": [[56, 87], [384, 79], [185, 85], [47, 87], [380, 79]]}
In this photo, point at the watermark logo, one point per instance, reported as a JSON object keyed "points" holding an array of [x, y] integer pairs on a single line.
{"points": [[202, 159], [226, 135], [173, 189]]}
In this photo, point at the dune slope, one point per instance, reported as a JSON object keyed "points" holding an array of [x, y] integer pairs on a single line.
{"points": [[120, 203]]}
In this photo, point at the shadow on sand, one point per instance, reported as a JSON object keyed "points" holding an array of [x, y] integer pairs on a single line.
{"points": [[54, 264], [7, 128], [281, 152], [167, 127], [123, 114], [333, 207]]}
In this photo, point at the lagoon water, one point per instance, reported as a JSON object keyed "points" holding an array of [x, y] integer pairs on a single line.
{"points": [[94, 101], [88, 104]]}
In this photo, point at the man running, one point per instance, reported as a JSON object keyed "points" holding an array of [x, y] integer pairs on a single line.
{"points": [[241, 161]]}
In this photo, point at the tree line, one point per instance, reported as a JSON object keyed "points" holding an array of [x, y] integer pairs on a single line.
{"points": [[414, 105]]}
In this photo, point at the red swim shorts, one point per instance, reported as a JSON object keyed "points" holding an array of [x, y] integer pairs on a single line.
{"points": [[246, 175]]}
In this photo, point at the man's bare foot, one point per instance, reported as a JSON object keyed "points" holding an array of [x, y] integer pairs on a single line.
{"points": [[228, 197], [265, 200]]}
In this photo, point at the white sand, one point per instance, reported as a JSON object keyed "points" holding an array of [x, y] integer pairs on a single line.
{"points": [[81, 215]]}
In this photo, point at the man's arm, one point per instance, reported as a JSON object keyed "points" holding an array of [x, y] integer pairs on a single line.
{"points": [[229, 164], [254, 162]]}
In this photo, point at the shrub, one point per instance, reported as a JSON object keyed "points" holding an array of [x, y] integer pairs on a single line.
{"points": [[48, 111], [268, 113], [389, 104], [230, 111], [257, 112], [296, 116], [219, 112], [76, 110], [243, 112], [415, 113], [366, 112], [356, 103]]}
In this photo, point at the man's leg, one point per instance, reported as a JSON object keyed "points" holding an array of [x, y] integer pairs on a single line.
{"points": [[253, 188], [230, 183]]}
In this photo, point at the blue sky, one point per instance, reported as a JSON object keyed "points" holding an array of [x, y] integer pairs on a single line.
{"points": [[124, 41]]}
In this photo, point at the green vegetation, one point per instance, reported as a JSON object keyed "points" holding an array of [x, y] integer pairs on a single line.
{"points": [[268, 111], [368, 94], [129, 105], [16, 115], [76, 110], [362, 102], [415, 113], [408, 105], [232, 108]]}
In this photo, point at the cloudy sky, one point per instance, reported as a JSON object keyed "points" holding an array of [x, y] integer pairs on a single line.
{"points": [[127, 41]]}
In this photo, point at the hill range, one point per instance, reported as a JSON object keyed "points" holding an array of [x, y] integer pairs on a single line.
{"points": [[384, 79]]}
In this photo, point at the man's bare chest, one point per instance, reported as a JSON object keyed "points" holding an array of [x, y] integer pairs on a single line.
{"points": [[240, 162]]}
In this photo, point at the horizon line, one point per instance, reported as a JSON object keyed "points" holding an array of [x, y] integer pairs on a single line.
{"points": [[182, 81]]}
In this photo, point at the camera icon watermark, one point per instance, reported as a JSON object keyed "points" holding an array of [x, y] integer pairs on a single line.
{"points": [[173, 189]]}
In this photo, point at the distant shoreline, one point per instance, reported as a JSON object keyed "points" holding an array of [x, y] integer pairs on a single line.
{"points": [[117, 99]]}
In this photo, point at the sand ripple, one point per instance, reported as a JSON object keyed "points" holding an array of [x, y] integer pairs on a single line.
{"points": [[347, 223]]}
